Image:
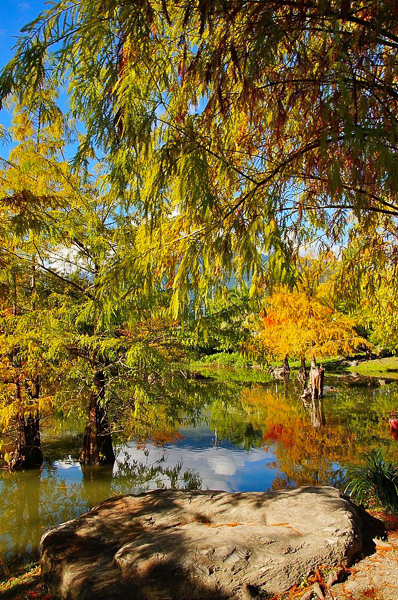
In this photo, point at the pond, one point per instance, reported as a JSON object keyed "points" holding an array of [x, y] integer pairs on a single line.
{"points": [[231, 436]]}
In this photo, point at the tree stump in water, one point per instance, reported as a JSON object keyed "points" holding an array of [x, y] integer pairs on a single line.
{"points": [[315, 388], [281, 372]]}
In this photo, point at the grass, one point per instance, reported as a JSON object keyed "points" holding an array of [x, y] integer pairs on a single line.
{"points": [[385, 368], [226, 359], [229, 374], [376, 482]]}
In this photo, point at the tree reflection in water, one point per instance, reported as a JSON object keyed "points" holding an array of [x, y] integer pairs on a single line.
{"points": [[303, 445], [315, 406], [31, 503], [20, 523]]}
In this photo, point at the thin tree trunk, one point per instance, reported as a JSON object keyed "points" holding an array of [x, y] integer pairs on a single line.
{"points": [[89, 454], [97, 441], [285, 365], [314, 379], [303, 374], [321, 377], [27, 453]]}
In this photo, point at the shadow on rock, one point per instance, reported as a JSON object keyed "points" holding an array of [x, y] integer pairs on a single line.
{"points": [[201, 545]]}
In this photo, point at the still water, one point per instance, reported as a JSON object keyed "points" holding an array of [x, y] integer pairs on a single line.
{"points": [[237, 437]]}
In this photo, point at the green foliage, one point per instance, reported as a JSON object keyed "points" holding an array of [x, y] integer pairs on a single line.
{"points": [[375, 482], [231, 136], [230, 131], [366, 284], [71, 323], [224, 359], [225, 326]]}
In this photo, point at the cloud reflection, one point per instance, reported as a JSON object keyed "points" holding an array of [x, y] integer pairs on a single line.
{"points": [[221, 468]]}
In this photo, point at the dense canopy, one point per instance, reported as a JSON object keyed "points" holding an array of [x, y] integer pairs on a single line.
{"points": [[234, 129], [213, 143]]}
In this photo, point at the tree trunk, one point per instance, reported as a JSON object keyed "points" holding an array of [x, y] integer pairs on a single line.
{"points": [[27, 454], [303, 374], [315, 388], [285, 365], [316, 380], [321, 377], [97, 441]]}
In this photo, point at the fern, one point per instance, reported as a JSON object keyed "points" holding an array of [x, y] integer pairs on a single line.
{"points": [[375, 482]]}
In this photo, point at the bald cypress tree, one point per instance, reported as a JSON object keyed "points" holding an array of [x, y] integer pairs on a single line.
{"points": [[236, 129]]}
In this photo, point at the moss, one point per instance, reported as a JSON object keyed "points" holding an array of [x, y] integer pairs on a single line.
{"points": [[25, 584]]}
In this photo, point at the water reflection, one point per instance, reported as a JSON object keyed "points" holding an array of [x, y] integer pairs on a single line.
{"points": [[234, 437], [96, 483], [21, 529], [315, 407]]}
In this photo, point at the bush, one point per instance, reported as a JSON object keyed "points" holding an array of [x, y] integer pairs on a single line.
{"points": [[375, 482], [226, 359]]}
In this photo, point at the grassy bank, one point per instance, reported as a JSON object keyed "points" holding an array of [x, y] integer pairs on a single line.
{"points": [[385, 368]]}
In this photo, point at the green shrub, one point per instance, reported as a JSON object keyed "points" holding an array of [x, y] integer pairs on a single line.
{"points": [[375, 482], [226, 359]]}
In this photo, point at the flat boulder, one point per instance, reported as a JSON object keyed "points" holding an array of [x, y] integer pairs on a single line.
{"points": [[200, 545]]}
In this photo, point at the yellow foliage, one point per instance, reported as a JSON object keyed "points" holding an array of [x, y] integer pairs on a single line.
{"points": [[295, 325]]}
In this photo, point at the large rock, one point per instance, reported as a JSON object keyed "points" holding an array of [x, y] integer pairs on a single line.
{"points": [[170, 544]]}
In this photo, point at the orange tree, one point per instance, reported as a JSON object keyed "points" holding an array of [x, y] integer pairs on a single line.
{"points": [[296, 326], [304, 323]]}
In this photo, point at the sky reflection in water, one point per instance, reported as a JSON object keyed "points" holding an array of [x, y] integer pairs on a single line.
{"points": [[264, 439]]}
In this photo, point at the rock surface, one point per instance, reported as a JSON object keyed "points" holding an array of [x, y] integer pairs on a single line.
{"points": [[170, 544]]}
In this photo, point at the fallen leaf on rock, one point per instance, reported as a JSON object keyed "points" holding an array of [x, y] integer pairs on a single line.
{"points": [[284, 525], [224, 524]]}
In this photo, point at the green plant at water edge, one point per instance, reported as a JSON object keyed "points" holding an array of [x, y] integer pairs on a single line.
{"points": [[375, 482], [226, 359]]}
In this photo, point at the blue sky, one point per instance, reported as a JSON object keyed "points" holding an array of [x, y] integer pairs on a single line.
{"points": [[14, 15]]}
